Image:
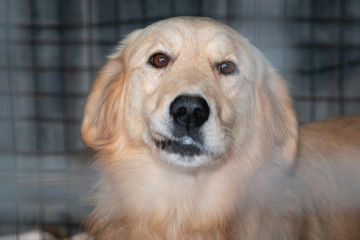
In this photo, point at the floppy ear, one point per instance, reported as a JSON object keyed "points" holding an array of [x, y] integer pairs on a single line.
{"points": [[277, 117], [102, 112]]}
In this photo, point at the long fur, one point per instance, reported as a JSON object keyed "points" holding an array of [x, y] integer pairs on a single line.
{"points": [[260, 182]]}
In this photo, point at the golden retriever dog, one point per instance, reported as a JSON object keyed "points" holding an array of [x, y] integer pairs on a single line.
{"points": [[196, 138]]}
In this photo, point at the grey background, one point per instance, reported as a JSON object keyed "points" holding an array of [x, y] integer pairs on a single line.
{"points": [[50, 51]]}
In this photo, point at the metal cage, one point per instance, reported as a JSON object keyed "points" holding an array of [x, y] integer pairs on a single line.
{"points": [[50, 52]]}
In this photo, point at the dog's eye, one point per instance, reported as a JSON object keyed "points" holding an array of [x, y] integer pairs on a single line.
{"points": [[227, 67], [159, 60]]}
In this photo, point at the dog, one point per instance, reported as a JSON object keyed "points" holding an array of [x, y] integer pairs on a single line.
{"points": [[196, 138]]}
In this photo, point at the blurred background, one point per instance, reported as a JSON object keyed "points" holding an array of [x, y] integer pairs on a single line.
{"points": [[50, 51]]}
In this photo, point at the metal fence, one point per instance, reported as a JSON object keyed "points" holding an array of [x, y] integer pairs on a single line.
{"points": [[50, 51]]}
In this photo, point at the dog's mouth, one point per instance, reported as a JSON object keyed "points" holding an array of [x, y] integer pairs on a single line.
{"points": [[185, 147]]}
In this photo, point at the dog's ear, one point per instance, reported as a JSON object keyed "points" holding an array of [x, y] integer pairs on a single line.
{"points": [[276, 116], [102, 112]]}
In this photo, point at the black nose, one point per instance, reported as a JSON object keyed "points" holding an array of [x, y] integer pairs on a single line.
{"points": [[189, 111]]}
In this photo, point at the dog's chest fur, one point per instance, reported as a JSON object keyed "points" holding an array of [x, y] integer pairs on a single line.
{"points": [[164, 205]]}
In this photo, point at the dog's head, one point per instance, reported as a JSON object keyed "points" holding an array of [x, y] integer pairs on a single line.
{"points": [[191, 91]]}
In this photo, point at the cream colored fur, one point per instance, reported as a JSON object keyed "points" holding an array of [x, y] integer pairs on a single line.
{"points": [[260, 179]]}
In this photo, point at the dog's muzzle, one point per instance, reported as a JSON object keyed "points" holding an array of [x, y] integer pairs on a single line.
{"points": [[188, 114]]}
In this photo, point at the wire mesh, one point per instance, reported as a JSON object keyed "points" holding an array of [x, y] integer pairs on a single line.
{"points": [[50, 52]]}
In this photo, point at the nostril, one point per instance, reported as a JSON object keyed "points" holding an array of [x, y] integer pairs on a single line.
{"points": [[200, 113], [189, 111], [181, 112]]}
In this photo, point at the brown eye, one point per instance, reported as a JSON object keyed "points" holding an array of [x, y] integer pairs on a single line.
{"points": [[159, 60], [227, 67]]}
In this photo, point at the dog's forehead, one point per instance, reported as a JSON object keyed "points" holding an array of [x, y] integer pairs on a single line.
{"points": [[192, 31], [185, 37]]}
